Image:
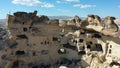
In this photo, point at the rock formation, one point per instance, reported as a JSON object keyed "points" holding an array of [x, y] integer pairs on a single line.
{"points": [[91, 20], [97, 20], [38, 42], [53, 21], [76, 19], [109, 24], [88, 21]]}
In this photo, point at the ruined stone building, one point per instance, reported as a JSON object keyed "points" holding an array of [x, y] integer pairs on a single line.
{"points": [[38, 42]]}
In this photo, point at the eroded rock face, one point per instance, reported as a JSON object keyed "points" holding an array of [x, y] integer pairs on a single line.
{"points": [[76, 19], [74, 22], [97, 20], [106, 27], [43, 19], [94, 20], [88, 21], [109, 24], [38, 40]]}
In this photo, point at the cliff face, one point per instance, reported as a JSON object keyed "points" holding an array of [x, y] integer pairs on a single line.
{"points": [[40, 42]]}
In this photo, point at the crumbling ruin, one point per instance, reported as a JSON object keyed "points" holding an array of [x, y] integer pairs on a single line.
{"points": [[38, 42]]}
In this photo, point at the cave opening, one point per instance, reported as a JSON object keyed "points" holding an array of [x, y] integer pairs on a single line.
{"points": [[22, 36], [20, 52]]}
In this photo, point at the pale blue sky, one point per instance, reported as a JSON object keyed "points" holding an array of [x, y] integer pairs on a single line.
{"points": [[81, 8]]}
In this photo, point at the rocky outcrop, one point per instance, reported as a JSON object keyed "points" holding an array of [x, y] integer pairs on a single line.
{"points": [[109, 24], [54, 21], [88, 21], [91, 20], [97, 20], [43, 19], [106, 26], [74, 22], [76, 19]]}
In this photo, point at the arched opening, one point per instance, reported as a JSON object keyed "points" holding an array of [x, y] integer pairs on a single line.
{"points": [[45, 42], [20, 52], [22, 37], [81, 52], [90, 42], [69, 46], [74, 41], [83, 47], [17, 64], [41, 42], [110, 51], [110, 46], [98, 47], [34, 53], [81, 40], [63, 61], [24, 29], [88, 46], [23, 23], [97, 36], [55, 39], [82, 32]]}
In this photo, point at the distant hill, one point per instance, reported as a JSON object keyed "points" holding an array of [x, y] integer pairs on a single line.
{"points": [[63, 17], [60, 17], [2, 21], [117, 21]]}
